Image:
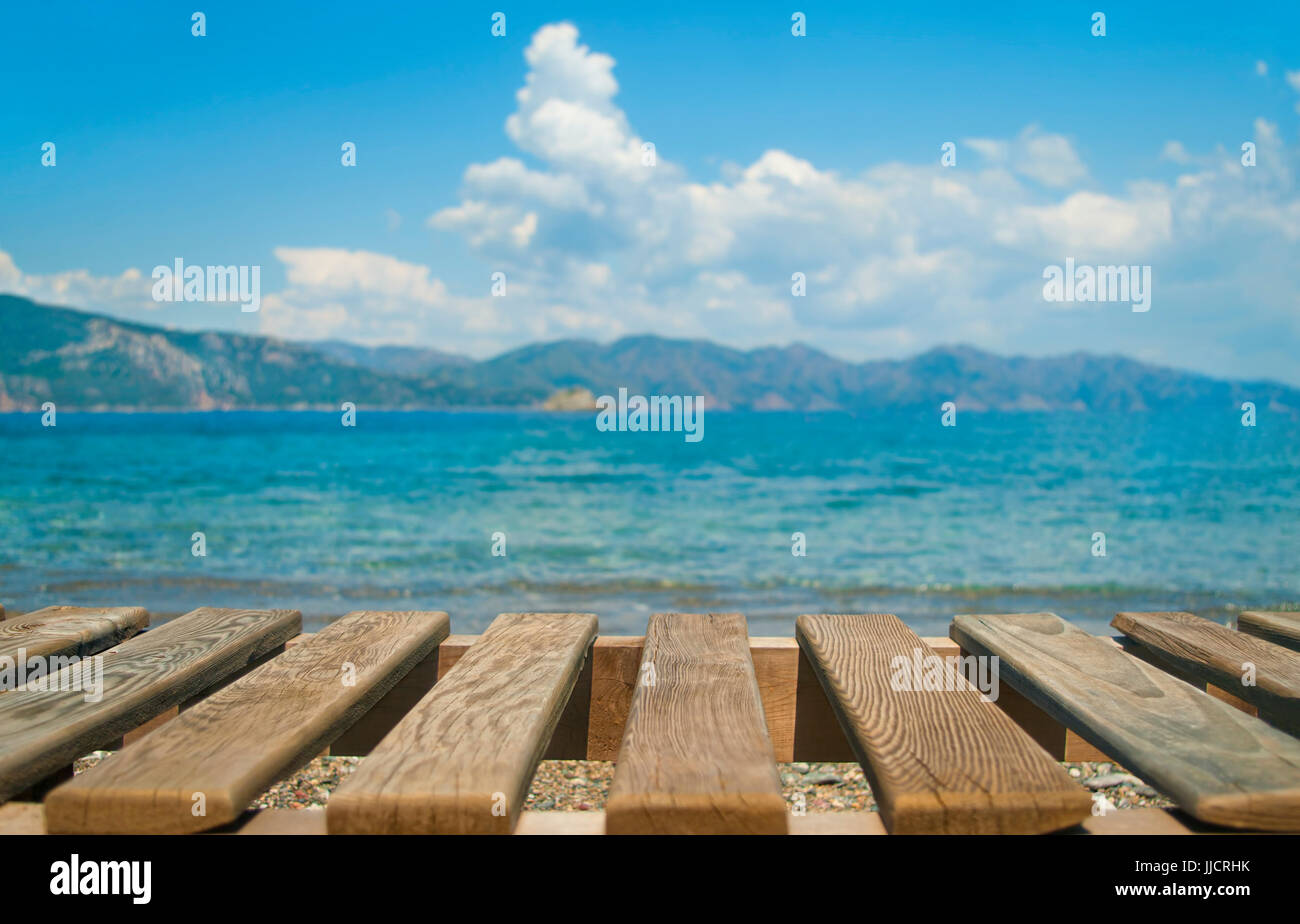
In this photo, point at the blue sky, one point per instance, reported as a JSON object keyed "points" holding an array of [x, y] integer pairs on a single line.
{"points": [[774, 155]]}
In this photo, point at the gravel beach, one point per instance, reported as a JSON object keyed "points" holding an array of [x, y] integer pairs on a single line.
{"points": [[582, 785]]}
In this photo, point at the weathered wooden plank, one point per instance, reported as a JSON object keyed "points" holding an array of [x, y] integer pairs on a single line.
{"points": [[42, 729], [940, 758], [312, 822], [1280, 628], [462, 759], [696, 756], [1218, 764], [202, 769], [616, 659], [69, 631], [568, 742], [1259, 672]]}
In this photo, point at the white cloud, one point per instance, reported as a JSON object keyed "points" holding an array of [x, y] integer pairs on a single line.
{"points": [[898, 256], [372, 298], [79, 288]]}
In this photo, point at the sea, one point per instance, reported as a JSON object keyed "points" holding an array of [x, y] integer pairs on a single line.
{"points": [[480, 513]]}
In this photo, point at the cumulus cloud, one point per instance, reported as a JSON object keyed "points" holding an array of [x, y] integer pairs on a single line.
{"points": [[897, 255]]}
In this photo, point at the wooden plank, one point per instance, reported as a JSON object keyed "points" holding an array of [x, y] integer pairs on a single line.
{"points": [[69, 631], [313, 821], [776, 669], [839, 823], [616, 659], [817, 732], [568, 742], [22, 818], [203, 769], [1233, 701], [565, 823], [1135, 821], [940, 758], [696, 756], [298, 822], [37, 791], [462, 759], [569, 737], [1215, 654], [43, 729], [1280, 628], [1217, 763], [29, 818], [1053, 737], [1159, 659]]}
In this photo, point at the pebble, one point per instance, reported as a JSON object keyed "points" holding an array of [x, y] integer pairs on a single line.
{"points": [[822, 779], [1107, 780]]}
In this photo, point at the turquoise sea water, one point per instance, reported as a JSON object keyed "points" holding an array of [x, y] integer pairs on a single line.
{"points": [[901, 515]]}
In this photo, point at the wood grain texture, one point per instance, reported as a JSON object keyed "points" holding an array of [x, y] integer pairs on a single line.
{"points": [[1280, 628], [696, 756], [237, 742], [616, 659], [943, 761], [41, 730], [1211, 653], [69, 631], [1218, 764], [462, 759]]}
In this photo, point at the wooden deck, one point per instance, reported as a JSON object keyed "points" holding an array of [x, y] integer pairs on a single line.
{"points": [[1218, 763], [211, 708]]}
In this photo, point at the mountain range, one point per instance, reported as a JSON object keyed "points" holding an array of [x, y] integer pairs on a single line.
{"points": [[85, 361]]}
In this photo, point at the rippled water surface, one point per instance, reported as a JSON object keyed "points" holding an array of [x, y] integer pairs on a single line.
{"points": [[899, 514]]}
